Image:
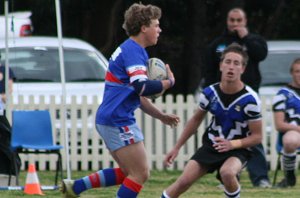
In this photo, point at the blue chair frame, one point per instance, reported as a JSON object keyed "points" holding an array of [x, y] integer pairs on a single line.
{"points": [[32, 134], [279, 149]]}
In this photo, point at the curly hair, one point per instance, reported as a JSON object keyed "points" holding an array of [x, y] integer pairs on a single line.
{"points": [[138, 15]]}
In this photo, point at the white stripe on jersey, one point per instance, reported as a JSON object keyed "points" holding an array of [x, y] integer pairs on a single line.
{"points": [[136, 72], [135, 68], [136, 77]]}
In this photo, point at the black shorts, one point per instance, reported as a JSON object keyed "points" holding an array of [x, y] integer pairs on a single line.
{"points": [[210, 158]]}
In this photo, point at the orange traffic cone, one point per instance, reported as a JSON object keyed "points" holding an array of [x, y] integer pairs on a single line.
{"points": [[32, 185]]}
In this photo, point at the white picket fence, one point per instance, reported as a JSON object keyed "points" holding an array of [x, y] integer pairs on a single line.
{"points": [[88, 152]]}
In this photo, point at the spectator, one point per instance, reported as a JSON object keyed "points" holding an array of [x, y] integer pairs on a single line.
{"points": [[287, 121], [257, 50], [4, 124], [227, 139], [126, 84]]}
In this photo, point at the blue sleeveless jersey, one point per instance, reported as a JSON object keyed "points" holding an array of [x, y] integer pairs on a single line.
{"points": [[127, 64], [229, 122]]}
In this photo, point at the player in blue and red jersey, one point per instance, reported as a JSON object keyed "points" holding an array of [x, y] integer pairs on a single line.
{"points": [[126, 85]]}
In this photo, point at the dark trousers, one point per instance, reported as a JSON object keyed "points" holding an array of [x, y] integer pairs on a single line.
{"points": [[257, 165]]}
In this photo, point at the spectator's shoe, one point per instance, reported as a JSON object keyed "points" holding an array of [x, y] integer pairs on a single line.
{"points": [[264, 184], [284, 184], [67, 189], [290, 178]]}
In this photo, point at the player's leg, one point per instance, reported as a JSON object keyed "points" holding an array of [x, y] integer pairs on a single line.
{"points": [[133, 161], [291, 142], [102, 178], [228, 173], [115, 138], [192, 171]]}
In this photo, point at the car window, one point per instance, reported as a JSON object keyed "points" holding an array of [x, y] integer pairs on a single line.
{"points": [[275, 68], [42, 64]]}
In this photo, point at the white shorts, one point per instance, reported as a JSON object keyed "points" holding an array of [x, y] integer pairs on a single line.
{"points": [[118, 137]]}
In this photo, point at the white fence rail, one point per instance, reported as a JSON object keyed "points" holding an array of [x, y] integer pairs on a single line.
{"points": [[88, 152]]}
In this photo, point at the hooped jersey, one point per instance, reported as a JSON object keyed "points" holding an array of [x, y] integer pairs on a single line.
{"points": [[127, 64], [230, 118], [287, 100]]}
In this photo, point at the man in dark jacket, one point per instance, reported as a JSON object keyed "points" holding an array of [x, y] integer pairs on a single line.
{"points": [[257, 50]]}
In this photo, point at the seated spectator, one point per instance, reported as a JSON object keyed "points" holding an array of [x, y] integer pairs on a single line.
{"points": [[286, 108]]}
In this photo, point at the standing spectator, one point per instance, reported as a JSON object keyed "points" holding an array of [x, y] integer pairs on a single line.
{"points": [[286, 107], [126, 85], [257, 50], [235, 126]]}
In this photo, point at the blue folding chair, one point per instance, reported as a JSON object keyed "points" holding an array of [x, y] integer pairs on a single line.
{"points": [[32, 134], [279, 150]]}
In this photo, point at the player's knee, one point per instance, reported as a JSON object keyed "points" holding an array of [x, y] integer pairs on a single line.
{"points": [[290, 142], [227, 174], [143, 175]]}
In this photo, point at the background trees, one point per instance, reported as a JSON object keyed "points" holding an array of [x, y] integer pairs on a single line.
{"points": [[188, 26]]}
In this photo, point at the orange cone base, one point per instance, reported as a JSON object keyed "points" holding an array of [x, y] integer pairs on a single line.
{"points": [[33, 189]]}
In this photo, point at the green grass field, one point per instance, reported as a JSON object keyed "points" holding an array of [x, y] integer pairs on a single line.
{"points": [[206, 187]]}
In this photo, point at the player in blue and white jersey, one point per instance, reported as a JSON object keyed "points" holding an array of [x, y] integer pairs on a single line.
{"points": [[126, 85], [235, 126], [286, 108]]}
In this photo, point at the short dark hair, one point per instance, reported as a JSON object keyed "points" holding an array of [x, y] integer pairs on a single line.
{"points": [[237, 10], [236, 48], [296, 61], [138, 15]]}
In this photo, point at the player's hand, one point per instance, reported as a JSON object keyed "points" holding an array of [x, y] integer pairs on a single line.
{"points": [[241, 31], [169, 159], [222, 145], [170, 119], [170, 73]]}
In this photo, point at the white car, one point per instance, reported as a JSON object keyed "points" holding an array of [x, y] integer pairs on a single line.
{"points": [[19, 24], [35, 63], [275, 69]]}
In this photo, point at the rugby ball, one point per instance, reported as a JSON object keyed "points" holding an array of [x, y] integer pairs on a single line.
{"points": [[156, 70]]}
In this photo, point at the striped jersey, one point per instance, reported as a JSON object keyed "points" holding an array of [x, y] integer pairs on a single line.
{"points": [[230, 112], [127, 64], [287, 100]]}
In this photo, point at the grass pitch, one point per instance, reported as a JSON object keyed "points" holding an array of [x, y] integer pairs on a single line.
{"points": [[206, 187]]}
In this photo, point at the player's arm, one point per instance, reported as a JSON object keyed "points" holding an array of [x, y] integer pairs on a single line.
{"points": [[190, 129], [255, 128], [146, 87], [281, 125], [150, 109]]}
